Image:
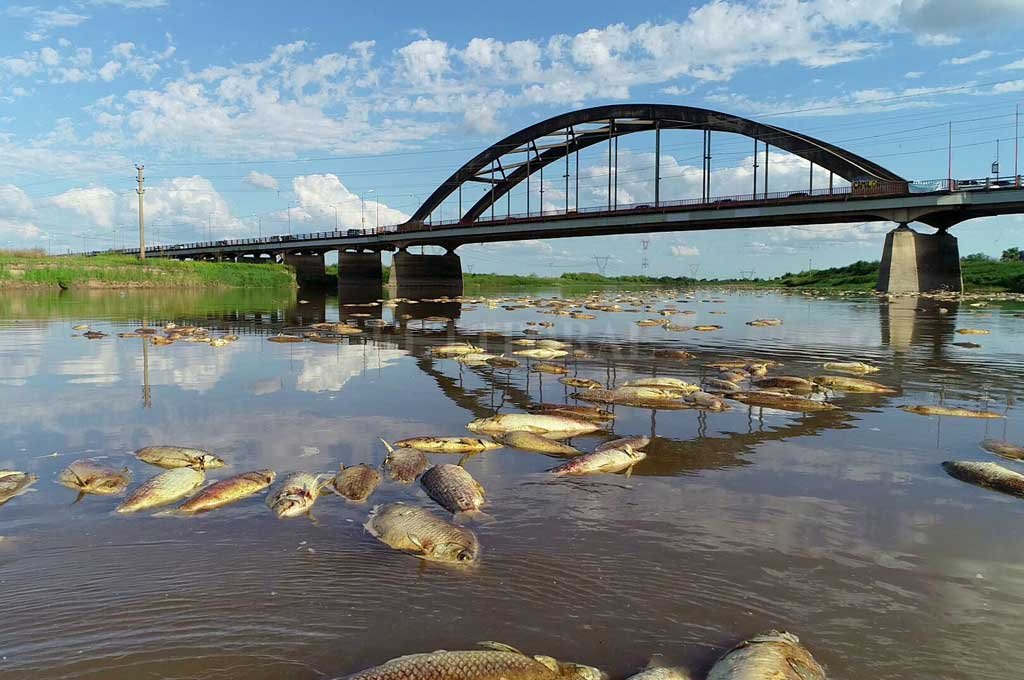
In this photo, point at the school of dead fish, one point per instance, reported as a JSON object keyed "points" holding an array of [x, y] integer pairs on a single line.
{"points": [[423, 533]]}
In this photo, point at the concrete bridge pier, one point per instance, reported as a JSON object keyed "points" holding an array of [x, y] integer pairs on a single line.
{"points": [[919, 263], [359, 269], [308, 266], [425, 275]]}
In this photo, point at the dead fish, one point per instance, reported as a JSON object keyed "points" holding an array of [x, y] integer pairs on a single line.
{"points": [[585, 383], [674, 384], [356, 482], [1004, 449], [782, 402], [853, 384], [989, 475], [540, 353], [552, 344], [93, 335], [850, 367], [550, 368], [404, 465], [972, 331], [967, 345], [160, 340], [282, 337], [647, 323], [80, 327], [128, 335], [525, 342], [166, 487], [617, 397], [447, 444], [788, 382], [230, 490], [498, 662], [178, 456], [707, 327], [456, 350], [708, 402], [635, 443], [90, 476], [474, 358], [454, 489], [656, 671], [721, 385], [742, 363], [296, 494], [603, 461], [574, 411], [528, 441], [503, 362], [673, 354], [773, 655], [423, 534], [950, 411], [649, 392], [14, 483], [539, 423], [765, 322]]}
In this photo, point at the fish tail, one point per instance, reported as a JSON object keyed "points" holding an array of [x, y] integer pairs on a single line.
{"points": [[475, 516], [386, 445]]}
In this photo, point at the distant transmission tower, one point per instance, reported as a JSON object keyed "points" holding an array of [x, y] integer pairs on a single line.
{"points": [[645, 263], [602, 263], [747, 273], [694, 268]]}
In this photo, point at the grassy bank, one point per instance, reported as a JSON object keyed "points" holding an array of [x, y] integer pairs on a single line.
{"points": [[980, 273], [35, 270]]}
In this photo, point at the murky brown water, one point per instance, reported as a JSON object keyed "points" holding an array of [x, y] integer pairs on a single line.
{"points": [[839, 526]]}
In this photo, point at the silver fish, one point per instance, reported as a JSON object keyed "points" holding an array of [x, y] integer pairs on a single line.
{"points": [[773, 655], [423, 534], [296, 494], [14, 483], [453, 488], [171, 457], [166, 487]]}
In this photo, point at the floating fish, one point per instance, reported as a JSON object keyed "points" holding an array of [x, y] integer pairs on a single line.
{"points": [[551, 425], [498, 662], [541, 353], [447, 444], [166, 487], [90, 476], [356, 483], [528, 441], [404, 465], [773, 655], [972, 331], [453, 488], [585, 383], [853, 384], [296, 494], [574, 411], [1004, 449], [765, 322], [666, 383], [788, 382], [850, 367], [673, 354], [604, 461], [178, 456], [550, 368], [782, 402], [950, 411], [14, 483], [284, 338], [423, 534], [230, 490]]}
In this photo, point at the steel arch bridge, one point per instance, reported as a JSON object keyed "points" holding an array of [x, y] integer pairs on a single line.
{"points": [[562, 137]]}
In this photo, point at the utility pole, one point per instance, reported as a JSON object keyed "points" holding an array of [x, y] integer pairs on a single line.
{"points": [[646, 243], [1016, 146], [949, 156], [142, 222], [602, 263]]}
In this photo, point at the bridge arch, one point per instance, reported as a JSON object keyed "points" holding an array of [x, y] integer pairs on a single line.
{"points": [[556, 138]]}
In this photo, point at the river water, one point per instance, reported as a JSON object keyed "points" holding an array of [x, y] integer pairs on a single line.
{"points": [[839, 526]]}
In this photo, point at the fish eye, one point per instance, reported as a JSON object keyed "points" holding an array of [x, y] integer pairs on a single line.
{"points": [[464, 556]]}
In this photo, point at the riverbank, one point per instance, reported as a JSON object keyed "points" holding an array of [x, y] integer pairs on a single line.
{"points": [[34, 270]]}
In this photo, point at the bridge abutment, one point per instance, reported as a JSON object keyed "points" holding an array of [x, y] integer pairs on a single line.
{"points": [[919, 263], [419, 275]]}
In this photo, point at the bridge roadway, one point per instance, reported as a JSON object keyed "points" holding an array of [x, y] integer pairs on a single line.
{"points": [[941, 209]]}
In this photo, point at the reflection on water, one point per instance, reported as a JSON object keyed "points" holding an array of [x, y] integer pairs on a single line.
{"points": [[839, 525]]}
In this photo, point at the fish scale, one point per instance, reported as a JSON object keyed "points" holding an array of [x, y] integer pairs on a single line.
{"points": [[421, 533], [453, 488], [468, 665]]}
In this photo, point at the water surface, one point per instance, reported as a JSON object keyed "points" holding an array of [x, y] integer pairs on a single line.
{"points": [[841, 527]]}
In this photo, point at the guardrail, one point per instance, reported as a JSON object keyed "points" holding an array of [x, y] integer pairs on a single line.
{"points": [[845, 193]]}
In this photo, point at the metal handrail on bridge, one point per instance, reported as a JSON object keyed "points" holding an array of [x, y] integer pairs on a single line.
{"points": [[857, 190]]}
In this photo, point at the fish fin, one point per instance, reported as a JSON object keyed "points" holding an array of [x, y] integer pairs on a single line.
{"points": [[629, 471], [548, 661], [416, 542], [476, 516], [386, 445], [78, 498], [499, 647]]}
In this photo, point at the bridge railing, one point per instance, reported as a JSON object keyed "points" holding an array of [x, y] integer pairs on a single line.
{"points": [[841, 193]]}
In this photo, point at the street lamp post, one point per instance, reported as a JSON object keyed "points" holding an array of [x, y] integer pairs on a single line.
{"points": [[362, 215]]}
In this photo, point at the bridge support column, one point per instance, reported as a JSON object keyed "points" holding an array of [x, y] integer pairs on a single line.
{"points": [[307, 267], [425, 275], [919, 263], [359, 269]]}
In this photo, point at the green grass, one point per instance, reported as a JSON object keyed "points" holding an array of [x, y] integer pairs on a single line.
{"points": [[119, 271]]}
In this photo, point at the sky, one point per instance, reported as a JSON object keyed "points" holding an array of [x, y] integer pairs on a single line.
{"points": [[264, 118]]}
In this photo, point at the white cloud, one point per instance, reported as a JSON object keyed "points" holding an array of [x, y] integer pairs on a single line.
{"points": [[96, 203], [970, 58], [110, 70], [1013, 65], [934, 16], [131, 4], [913, 74], [936, 40], [260, 180], [48, 56], [424, 62], [324, 199], [685, 251], [14, 202]]}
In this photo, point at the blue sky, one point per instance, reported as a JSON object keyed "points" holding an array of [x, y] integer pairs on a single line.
{"points": [[249, 116]]}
